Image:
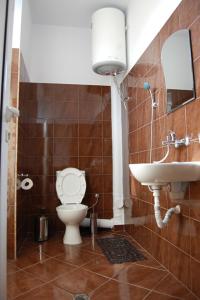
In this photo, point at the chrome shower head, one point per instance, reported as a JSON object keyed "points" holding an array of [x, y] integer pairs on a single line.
{"points": [[147, 86]]}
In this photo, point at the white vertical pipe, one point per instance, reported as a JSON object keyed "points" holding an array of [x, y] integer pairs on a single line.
{"points": [[117, 156], [125, 149]]}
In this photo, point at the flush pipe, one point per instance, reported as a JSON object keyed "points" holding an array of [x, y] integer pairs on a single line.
{"points": [[173, 210]]}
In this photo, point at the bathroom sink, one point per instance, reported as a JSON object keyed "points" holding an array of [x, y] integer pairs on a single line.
{"points": [[164, 173]]}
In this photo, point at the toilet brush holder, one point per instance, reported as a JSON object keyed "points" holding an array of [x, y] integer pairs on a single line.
{"points": [[41, 227]]}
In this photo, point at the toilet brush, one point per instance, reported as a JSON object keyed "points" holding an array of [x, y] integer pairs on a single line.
{"points": [[93, 216]]}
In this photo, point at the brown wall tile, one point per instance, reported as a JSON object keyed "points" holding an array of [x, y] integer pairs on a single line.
{"points": [[194, 37], [11, 239], [108, 202], [170, 27], [106, 104], [179, 264], [197, 79], [90, 109], [38, 146], [39, 128], [195, 275], [92, 165], [188, 11], [11, 219], [66, 92], [65, 161], [90, 128], [177, 246], [44, 92], [107, 147], [65, 147], [65, 110], [90, 147], [195, 239], [160, 249], [133, 120], [90, 92], [107, 183], [179, 232], [107, 165], [107, 130], [63, 126], [94, 183]]}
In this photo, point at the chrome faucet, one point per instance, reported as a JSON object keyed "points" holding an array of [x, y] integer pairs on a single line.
{"points": [[172, 140], [171, 137]]}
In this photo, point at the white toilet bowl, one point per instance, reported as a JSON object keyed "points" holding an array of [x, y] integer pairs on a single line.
{"points": [[72, 215], [70, 187]]}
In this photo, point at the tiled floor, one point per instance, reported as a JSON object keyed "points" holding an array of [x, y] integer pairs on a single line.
{"points": [[52, 271]]}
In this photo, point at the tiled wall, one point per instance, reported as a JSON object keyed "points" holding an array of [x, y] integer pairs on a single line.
{"points": [[178, 245], [12, 156], [64, 126]]}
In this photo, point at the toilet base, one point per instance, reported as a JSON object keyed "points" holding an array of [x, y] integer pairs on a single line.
{"points": [[72, 235]]}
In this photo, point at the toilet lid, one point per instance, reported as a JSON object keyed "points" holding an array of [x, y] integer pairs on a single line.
{"points": [[70, 185]]}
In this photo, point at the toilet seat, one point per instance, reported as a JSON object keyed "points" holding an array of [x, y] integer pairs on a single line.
{"points": [[70, 186]]}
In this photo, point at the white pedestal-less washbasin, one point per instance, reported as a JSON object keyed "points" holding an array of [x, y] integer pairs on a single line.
{"points": [[175, 174], [164, 173]]}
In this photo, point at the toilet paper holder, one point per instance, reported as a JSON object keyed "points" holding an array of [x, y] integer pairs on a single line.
{"points": [[23, 175], [24, 182]]}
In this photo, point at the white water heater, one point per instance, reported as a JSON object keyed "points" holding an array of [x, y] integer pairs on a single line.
{"points": [[108, 41]]}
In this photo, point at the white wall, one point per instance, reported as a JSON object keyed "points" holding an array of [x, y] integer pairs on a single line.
{"points": [[144, 20], [62, 55], [17, 24], [26, 30]]}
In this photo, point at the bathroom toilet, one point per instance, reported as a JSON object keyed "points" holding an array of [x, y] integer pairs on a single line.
{"points": [[70, 188]]}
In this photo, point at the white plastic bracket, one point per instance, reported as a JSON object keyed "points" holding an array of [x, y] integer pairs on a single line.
{"points": [[11, 112]]}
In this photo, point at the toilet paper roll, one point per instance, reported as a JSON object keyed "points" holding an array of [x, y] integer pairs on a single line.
{"points": [[26, 184]]}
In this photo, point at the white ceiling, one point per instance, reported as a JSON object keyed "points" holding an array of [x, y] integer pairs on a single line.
{"points": [[75, 13]]}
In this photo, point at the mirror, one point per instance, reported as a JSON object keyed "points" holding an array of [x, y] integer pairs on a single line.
{"points": [[176, 59]]}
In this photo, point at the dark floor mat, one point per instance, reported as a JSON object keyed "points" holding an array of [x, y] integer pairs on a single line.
{"points": [[118, 250]]}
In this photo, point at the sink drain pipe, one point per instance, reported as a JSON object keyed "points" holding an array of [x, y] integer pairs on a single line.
{"points": [[174, 210]]}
